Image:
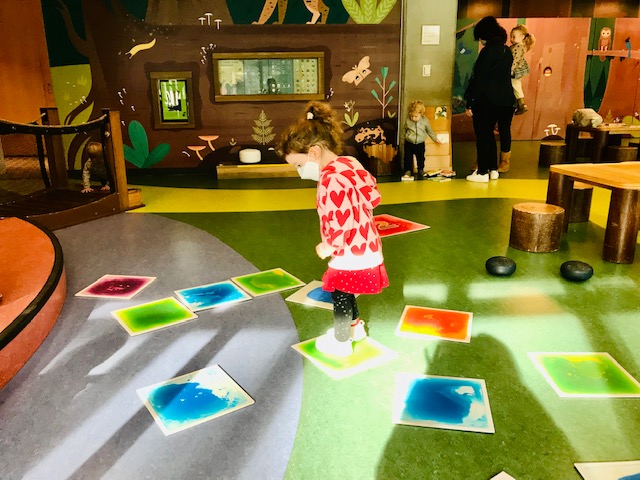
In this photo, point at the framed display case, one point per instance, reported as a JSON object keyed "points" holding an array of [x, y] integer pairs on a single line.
{"points": [[172, 94], [268, 76]]}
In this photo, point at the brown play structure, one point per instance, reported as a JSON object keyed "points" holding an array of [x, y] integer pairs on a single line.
{"points": [[33, 281], [57, 205]]}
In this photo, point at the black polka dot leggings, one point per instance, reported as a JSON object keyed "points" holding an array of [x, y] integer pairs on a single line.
{"points": [[345, 311]]}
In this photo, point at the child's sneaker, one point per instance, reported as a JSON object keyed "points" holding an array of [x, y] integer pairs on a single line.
{"points": [[358, 332], [329, 345], [494, 175], [407, 177]]}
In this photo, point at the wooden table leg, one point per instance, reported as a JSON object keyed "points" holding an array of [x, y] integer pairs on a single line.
{"points": [[622, 227], [559, 192], [571, 141], [599, 148]]}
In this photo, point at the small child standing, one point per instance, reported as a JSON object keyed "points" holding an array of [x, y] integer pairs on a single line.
{"points": [[521, 43], [416, 129], [94, 165], [345, 199]]}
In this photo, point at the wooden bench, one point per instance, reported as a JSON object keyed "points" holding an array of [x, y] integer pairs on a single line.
{"points": [[536, 227]]}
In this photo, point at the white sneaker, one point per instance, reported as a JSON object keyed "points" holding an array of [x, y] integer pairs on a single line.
{"points": [[476, 177], [407, 177], [358, 332], [494, 175], [329, 345]]}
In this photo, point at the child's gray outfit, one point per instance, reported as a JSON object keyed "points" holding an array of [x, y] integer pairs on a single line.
{"points": [[415, 134]]}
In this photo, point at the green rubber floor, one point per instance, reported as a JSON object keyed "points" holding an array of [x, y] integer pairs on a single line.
{"points": [[345, 429]]}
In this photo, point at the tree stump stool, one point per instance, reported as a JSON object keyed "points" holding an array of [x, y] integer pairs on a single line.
{"points": [[536, 227], [551, 153], [620, 153], [580, 202]]}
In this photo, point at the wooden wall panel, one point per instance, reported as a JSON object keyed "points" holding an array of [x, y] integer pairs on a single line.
{"points": [[483, 8], [25, 78], [622, 96], [539, 8], [617, 9], [178, 47]]}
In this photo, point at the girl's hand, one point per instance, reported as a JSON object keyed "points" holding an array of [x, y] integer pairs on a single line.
{"points": [[323, 250], [468, 112]]}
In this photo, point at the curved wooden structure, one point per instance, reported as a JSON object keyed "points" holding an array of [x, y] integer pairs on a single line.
{"points": [[33, 287], [536, 227], [56, 206]]}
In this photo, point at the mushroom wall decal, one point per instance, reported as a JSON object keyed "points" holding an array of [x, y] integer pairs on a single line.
{"points": [[197, 148], [209, 139], [208, 15]]}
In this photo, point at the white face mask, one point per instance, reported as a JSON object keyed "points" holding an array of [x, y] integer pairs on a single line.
{"points": [[309, 171]]}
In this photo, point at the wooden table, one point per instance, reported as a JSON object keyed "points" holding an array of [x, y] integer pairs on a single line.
{"points": [[623, 179], [600, 135]]}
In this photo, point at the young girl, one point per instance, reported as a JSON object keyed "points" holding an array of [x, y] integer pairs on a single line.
{"points": [[521, 43], [345, 198]]}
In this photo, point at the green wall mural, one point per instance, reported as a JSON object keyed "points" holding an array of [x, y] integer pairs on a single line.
{"points": [[466, 54], [597, 67], [368, 11], [286, 11]]}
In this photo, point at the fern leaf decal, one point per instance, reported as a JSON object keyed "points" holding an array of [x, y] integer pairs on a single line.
{"points": [[263, 131]]}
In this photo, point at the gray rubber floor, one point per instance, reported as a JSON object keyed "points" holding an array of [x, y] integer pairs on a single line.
{"points": [[73, 411]]}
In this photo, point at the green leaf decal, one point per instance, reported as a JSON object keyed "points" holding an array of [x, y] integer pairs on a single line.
{"points": [[138, 137], [133, 156], [157, 154]]}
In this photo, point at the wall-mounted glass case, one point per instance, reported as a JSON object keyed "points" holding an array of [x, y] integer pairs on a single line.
{"points": [[268, 76]]}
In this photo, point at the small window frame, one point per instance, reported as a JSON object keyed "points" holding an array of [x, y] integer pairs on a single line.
{"points": [[162, 112]]}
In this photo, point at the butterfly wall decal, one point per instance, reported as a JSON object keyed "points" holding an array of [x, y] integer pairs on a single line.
{"points": [[358, 72]]}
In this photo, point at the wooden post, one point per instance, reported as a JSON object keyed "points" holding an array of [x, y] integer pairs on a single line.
{"points": [[571, 151], [560, 193], [622, 227], [3, 166], [580, 202], [115, 155], [536, 227], [55, 151], [599, 146]]}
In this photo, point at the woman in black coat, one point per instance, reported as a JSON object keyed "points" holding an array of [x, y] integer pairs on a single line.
{"points": [[490, 98]]}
